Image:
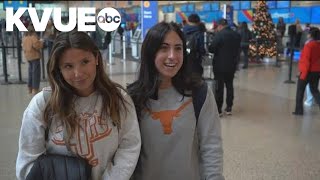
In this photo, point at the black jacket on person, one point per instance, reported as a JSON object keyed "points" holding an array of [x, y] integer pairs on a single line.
{"points": [[282, 28], [225, 47], [246, 36]]}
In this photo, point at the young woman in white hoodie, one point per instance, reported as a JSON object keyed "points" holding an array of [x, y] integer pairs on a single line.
{"points": [[82, 108]]}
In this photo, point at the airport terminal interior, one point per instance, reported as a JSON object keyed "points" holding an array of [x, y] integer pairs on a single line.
{"points": [[262, 139]]}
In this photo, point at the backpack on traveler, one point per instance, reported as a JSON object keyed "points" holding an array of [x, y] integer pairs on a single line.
{"points": [[194, 56], [210, 37]]}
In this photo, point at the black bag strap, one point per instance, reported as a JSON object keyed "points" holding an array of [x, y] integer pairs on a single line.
{"points": [[198, 97]]}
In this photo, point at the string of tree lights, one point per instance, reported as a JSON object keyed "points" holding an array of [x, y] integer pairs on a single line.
{"points": [[264, 42]]}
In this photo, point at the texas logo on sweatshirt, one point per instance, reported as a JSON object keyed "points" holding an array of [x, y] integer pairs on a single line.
{"points": [[166, 117]]}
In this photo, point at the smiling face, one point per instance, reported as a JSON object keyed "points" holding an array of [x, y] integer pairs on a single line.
{"points": [[78, 68], [169, 57]]}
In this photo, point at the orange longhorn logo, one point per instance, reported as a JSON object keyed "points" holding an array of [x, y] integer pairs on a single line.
{"points": [[166, 117], [95, 128]]}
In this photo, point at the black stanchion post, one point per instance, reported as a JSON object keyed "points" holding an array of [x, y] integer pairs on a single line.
{"points": [[4, 65], [42, 65], [13, 49], [19, 58], [289, 81], [277, 60]]}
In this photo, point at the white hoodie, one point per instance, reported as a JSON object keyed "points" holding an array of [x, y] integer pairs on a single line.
{"points": [[113, 154]]}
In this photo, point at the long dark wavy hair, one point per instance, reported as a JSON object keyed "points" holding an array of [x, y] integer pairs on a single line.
{"points": [[147, 85], [61, 102]]}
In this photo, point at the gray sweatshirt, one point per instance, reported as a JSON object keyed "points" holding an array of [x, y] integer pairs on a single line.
{"points": [[174, 146], [113, 154]]}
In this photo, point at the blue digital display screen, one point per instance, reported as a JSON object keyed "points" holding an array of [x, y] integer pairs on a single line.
{"points": [[215, 6], [206, 7], [184, 8], [276, 13], [235, 5], [315, 15], [271, 4], [191, 7], [283, 4], [165, 9], [301, 13], [171, 9], [245, 4]]}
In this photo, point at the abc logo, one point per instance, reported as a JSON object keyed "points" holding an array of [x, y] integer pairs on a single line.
{"points": [[109, 19]]}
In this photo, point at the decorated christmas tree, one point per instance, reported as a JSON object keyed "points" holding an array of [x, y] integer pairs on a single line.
{"points": [[263, 43]]}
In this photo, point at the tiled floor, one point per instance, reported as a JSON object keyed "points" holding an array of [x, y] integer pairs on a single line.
{"points": [[262, 140]]}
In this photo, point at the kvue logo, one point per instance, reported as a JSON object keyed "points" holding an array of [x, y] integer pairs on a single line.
{"points": [[108, 19]]}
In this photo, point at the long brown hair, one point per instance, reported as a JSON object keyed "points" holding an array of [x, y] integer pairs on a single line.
{"points": [[61, 102]]}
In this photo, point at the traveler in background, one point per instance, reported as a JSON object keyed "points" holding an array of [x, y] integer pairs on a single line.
{"points": [[175, 145], [246, 36], [304, 35], [49, 35], [106, 42], [214, 26], [309, 67], [120, 31], [225, 47], [84, 107], [194, 28], [298, 33], [280, 31], [211, 33], [31, 46], [281, 26], [305, 38]]}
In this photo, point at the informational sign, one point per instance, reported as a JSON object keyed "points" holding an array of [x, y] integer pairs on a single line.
{"points": [[271, 4], [290, 15], [184, 8], [276, 13], [165, 9], [207, 17], [215, 6], [245, 16], [283, 4], [149, 15], [229, 14], [235, 5], [191, 7], [301, 13], [170, 8], [245, 4], [315, 15], [206, 7]]}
